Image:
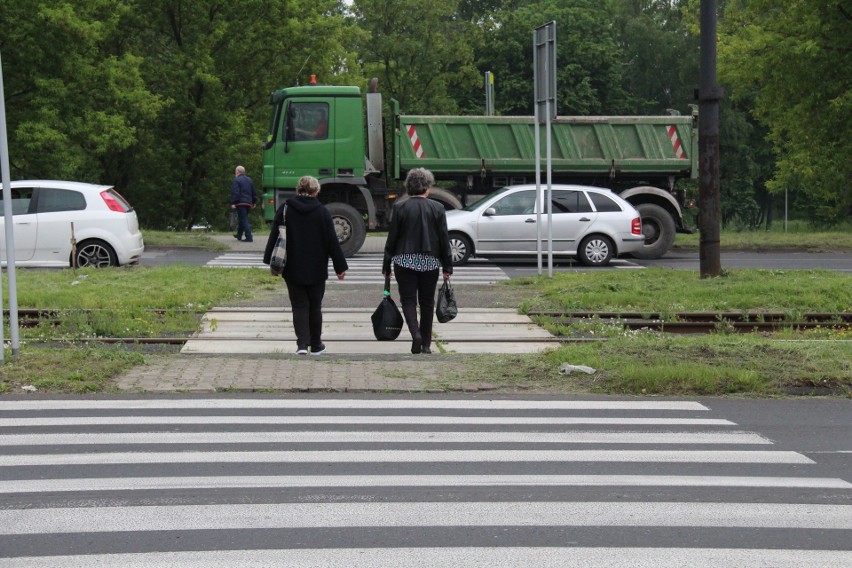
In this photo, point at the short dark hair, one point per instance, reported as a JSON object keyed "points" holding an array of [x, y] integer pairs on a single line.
{"points": [[418, 181]]}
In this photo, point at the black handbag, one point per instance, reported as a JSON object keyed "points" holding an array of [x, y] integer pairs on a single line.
{"points": [[446, 308], [387, 321]]}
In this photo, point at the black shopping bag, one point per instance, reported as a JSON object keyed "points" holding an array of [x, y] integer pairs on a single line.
{"points": [[446, 308], [233, 219], [387, 321]]}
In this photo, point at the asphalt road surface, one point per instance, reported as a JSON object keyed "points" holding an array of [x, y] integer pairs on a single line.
{"points": [[683, 260], [425, 481]]}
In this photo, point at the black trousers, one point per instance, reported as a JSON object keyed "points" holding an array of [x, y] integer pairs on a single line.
{"points": [[417, 288], [306, 301]]}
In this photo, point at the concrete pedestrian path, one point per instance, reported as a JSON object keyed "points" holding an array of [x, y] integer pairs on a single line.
{"points": [[349, 331], [250, 348]]}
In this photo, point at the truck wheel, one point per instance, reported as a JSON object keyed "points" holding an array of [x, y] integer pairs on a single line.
{"points": [[659, 230], [349, 226], [460, 248], [445, 198], [595, 250]]}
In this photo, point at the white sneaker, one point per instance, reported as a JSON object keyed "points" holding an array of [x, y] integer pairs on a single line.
{"points": [[302, 352]]}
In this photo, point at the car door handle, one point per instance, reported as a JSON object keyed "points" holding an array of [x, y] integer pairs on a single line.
{"points": [[530, 221], [585, 219]]}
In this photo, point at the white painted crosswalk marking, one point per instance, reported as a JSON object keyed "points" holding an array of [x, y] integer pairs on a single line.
{"points": [[465, 514], [349, 420], [325, 437], [412, 456], [366, 268], [352, 404], [438, 482], [366, 481], [493, 557]]}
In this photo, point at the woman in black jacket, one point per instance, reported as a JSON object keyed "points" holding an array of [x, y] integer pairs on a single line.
{"points": [[418, 244], [311, 240]]}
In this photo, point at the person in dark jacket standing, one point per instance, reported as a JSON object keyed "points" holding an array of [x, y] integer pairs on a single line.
{"points": [[243, 198], [311, 240], [418, 245]]}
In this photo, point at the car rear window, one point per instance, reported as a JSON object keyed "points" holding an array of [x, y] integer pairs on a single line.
{"points": [[570, 202], [603, 203], [51, 199]]}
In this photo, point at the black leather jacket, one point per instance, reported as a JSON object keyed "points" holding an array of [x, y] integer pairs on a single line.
{"points": [[418, 225]]}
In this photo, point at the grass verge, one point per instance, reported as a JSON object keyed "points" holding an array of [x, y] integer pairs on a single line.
{"points": [[776, 239], [123, 300], [180, 239], [817, 361], [656, 364], [667, 291]]}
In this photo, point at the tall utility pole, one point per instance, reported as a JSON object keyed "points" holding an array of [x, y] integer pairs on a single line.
{"points": [[709, 94]]}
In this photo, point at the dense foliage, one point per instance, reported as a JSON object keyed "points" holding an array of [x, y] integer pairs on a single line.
{"points": [[164, 97]]}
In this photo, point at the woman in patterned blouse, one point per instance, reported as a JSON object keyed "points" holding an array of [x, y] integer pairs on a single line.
{"points": [[418, 245]]}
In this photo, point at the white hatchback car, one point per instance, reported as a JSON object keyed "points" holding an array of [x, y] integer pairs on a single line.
{"points": [[48, 214], [589, 223]]}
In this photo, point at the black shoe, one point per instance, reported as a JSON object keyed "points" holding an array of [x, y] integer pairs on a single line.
{"points": [[236, 237], [248, 240], [425, 349], [416, 344]]}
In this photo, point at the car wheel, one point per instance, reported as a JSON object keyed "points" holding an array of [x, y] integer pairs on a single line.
{"points": [[95, 253], [596, 250], [460, 248], [659, 230], [349, 226]]}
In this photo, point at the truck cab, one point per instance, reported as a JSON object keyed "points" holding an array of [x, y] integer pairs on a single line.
{"points": [[318, 131]]}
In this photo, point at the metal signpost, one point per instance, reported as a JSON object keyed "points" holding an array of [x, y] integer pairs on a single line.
{"points": [[544, 66], [489, 93], [10, 230]]}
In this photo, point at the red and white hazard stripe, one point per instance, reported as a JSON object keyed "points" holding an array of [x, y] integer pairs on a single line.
{"points": [[415, 142], [676, 146]]}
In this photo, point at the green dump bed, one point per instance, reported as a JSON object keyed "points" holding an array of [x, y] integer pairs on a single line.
{"points": [[615, 145]]}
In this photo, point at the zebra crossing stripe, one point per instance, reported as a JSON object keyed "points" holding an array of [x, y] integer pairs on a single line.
{"points": [[350, 404], [408, 456], [387, 437], [424, 514], [364, 269], [452, 557], [362, 420], [447, 557], [374, 481]]}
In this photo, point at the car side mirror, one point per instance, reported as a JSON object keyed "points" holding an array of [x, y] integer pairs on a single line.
{"points": [[490, 212]]}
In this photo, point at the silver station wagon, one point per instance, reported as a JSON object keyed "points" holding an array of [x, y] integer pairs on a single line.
{"points": [[590, 224]]}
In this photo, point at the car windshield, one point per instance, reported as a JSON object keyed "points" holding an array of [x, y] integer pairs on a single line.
{"points": [[479, 202]]}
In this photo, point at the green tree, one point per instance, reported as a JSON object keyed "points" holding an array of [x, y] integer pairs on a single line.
{"points": [[794, 60], [419, 49], [75, 96], [588, 59], [215, 63], [660, 54]]}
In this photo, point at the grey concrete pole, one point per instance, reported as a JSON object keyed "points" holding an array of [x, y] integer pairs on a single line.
{"points": [[10, 230]]}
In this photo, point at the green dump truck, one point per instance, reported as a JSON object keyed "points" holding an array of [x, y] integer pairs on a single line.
{"points": [[337, 136]]}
